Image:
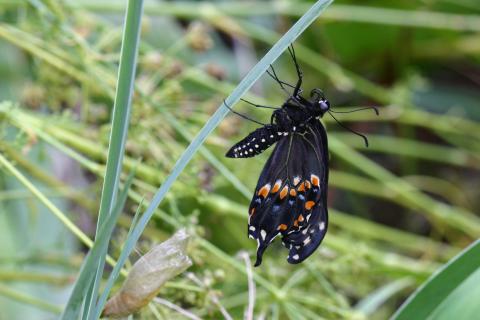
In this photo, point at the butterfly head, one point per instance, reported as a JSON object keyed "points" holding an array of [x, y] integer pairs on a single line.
{"points": [[319, 101]]}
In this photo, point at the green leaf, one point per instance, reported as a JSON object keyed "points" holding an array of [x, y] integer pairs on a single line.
{"points": [[450, 291]]}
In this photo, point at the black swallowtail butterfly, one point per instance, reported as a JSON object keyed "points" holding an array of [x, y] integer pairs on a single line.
{"points": [[291, 195]]}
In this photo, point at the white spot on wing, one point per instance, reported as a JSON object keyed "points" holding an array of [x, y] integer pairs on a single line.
{"points": [[252, 228], [296, 180], [263, 234], [263, 140], [296, 257], [322, 225], [306, 241]]}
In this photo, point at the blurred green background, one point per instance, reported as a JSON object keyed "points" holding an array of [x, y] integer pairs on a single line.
{"points": [[398, 210]]}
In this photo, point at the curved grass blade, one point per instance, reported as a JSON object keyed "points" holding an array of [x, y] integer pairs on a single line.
{"points": [[424, 302]]}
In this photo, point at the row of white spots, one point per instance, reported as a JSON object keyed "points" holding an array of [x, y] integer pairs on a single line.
{"points": [[245, 146]]}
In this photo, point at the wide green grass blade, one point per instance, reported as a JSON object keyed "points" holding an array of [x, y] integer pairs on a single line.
{"points": [[247, 82], [451, 281]]}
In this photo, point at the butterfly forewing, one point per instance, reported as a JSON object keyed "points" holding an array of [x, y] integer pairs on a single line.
{"points": [[290, 198]]}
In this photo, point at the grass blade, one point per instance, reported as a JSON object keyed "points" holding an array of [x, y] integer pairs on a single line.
{"points": [[118, 134], [441, 285]]}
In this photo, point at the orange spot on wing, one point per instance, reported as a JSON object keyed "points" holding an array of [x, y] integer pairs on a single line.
{"points": [[293, 193], [308, 184], [301, 188], [315, 180], [277, 186], [300, 218], [309, 204], [282, 227], [263, 192], [284, 192], [295, 223]]}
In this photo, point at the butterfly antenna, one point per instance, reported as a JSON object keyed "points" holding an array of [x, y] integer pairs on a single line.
{"points": [[242, 115], [359, 109], [350, 129]]}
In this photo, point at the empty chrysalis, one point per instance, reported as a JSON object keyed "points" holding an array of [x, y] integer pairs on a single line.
{"points": [[149, 274]]}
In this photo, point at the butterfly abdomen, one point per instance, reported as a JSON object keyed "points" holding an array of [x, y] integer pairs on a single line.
{"points": [[257, 142]]}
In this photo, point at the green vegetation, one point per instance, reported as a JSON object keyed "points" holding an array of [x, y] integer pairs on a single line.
{"points": [[399, 210]]}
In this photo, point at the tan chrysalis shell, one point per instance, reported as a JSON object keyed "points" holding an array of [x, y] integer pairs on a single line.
{"points": [[149, 274]]}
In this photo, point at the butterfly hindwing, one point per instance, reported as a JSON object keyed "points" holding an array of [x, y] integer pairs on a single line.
{"points": [[256, 142], [291, 194]]}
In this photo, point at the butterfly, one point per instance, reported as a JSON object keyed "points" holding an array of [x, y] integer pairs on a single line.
{"points": [[290, 199]]}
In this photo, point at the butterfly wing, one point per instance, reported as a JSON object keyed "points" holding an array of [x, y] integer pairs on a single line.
{"points": [[256, 142], [291, 195]]}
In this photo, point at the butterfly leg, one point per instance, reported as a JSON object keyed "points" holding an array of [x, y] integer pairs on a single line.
{"points": [[297, 90], [242, 115], [281, 83], [258, 105]]}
